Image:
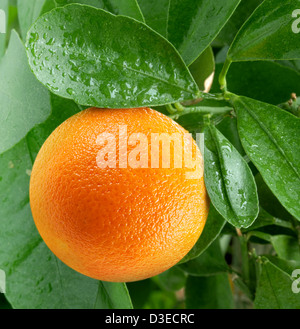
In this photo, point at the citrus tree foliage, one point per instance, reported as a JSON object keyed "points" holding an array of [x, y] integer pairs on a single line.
{"points": [[163, 54]]}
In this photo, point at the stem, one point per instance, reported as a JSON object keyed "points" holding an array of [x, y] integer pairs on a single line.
{"points": [[222, 77], [179, 107], [245, 259], [216, 97], [170, 109], [203, 110]]}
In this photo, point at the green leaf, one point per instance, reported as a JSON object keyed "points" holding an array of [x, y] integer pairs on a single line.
{"points": [[4, 305], [213, 227], [112, 296], [171, 280], [268, 82], [270, 137], [192, 118], [286, 247], [230, 30], [269, 202], [266, 219], [228, 127], [28, 12], [24, 102], [213, 292], [156, 14], [48, 5], [287, 266], [274, 289], [268, 34], [193, 24], [203, 69], [106, 60], [140, 291], [3, 8], [161, 299], [229, 181], [210, 262], [118, 7], [35, 277]]}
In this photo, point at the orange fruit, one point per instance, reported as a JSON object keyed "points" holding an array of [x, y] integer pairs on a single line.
{"points": [[117, 223]]}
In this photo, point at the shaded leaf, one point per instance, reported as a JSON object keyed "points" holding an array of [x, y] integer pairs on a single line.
{"points": [[140, 292], [203, 69], [230, 30], [210, 262], [88, 64], [28, 12], [172, 280], [268, 82], [213, 292], [24, 101], [193, 24], [3, 8], [213, 227], [156, 14], [4, 304]]}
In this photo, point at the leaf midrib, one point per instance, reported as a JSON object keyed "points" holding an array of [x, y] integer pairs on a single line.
{"points": [[272, 139], [219, 156], [99, 60]]}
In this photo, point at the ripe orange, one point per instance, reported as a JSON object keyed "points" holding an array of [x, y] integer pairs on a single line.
{"points": [[116, 224]]}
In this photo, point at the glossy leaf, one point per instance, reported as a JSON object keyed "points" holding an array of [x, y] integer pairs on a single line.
{"points": [[211, 262], [274, 289], [35, 277], [24, 101], [193, 24], [229, 181], [106, 60], [268, 34], [270, 137], [213, 292], [118, 7], [213, 227]]}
